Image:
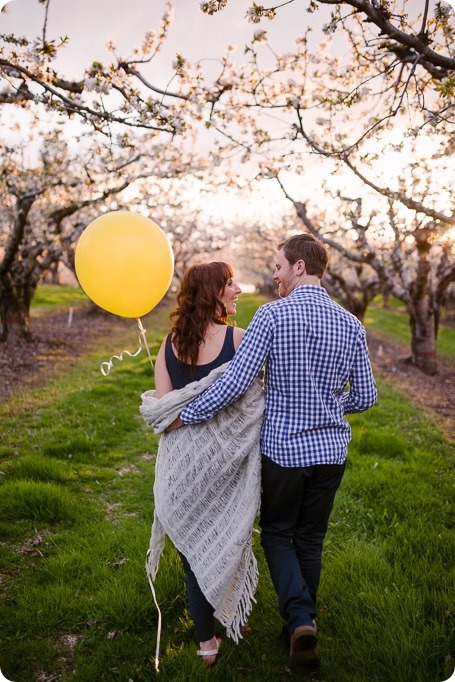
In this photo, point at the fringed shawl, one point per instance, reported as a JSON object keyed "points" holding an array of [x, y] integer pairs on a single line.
{"points": [[207, 494]]}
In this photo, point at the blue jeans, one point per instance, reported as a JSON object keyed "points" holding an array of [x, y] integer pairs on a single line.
{"points": [[295, 508], [200, 609]]}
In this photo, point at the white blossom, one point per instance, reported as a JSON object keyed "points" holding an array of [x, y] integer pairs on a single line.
{"points": [[212, 6], [260, 36], [104, 87], [443, 10], [149, 40], [329, 28], [90, 84], [177, 124], [253, 15]]}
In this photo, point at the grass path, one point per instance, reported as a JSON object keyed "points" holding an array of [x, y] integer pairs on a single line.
{"points": [[75, 515]]}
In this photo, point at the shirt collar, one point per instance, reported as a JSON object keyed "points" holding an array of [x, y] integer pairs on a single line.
{"points": [[305, 290]]}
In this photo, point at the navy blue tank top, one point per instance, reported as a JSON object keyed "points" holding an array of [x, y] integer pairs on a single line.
{"points": [[182, 374]]}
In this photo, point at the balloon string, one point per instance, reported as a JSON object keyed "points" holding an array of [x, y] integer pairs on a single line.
{"points": [[142, 339], [158, 636], [143, 334]]}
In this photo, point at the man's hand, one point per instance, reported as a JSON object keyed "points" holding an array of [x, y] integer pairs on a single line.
{"points": [[176, 424]]}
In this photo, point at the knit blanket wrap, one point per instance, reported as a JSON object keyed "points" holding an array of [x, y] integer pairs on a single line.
{"points": [[207, 495]]}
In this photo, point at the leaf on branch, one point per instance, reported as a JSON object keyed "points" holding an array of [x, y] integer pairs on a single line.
{"points": [[446, 87]]}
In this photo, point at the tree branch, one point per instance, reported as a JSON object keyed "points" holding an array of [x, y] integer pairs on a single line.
{"points": [[399, 196], [378, 16]]}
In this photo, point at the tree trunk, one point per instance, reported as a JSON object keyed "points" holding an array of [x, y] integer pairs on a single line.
{"points": [[385, 300], [52, 274], [354, 295], [421, 309], [359, 308], [14, 314], [267, 289], [423, 341]]}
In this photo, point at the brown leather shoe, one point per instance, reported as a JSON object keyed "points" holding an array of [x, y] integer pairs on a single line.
{"points": [[304, 658], [246, 630]]}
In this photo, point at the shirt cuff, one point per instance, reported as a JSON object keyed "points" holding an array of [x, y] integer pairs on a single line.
{"points": [[187, 416]]}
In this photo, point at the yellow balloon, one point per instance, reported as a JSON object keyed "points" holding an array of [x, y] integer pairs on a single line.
{"points": [[124, 263]]}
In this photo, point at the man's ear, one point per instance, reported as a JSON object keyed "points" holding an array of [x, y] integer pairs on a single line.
{"points": [[300, 267]]}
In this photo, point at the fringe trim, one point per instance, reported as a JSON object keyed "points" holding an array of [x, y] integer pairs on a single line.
{"points": [[245, 604]]}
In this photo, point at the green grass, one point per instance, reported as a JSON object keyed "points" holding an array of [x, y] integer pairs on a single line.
{"points": [[393, 303], [47, 297], [76, 507]]}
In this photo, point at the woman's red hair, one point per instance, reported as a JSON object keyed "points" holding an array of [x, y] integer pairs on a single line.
{"points": [[198, 305]]}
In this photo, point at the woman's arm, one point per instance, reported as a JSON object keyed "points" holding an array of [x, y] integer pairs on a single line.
{"points": [[238, 336], [163, 382]]}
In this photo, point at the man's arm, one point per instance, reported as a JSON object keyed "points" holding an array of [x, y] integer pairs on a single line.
{"points": [[240, 374], [362, 393]]}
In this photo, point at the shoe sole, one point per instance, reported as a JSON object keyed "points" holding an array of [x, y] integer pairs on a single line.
{"points": [[304, 658]]}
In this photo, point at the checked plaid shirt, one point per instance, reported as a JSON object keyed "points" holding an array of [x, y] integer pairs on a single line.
{"points": [[312, 350]]}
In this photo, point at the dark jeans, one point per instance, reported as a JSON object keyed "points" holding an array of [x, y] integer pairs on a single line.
{"points": [[295, 508], [200, 609]]}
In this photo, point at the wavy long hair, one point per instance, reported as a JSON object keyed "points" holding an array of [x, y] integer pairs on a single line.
{"points": [[198, 305]]}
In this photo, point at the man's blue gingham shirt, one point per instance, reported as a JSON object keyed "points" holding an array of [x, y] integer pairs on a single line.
{"points": [[313, 350]]}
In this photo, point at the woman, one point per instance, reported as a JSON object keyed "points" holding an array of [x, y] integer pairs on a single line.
{"points": [[200, 340], [200, 334]]}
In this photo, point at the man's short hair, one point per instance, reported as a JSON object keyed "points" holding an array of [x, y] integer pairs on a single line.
{"points": [[309, 249]]}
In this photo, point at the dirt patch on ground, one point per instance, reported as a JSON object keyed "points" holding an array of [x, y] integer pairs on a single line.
{"points": [[57, 344], [58, 340]]}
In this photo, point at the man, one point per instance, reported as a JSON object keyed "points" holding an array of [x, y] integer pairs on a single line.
{"points": [[312, 350]]}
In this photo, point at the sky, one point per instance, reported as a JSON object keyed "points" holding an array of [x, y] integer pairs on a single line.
{"points": [[90, 24]]}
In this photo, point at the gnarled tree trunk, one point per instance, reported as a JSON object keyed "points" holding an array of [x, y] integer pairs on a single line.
{"points": [[421, 310], [423, 341], [354, 294], [14, 311]]}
